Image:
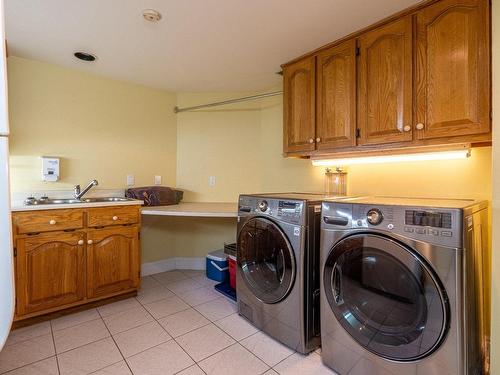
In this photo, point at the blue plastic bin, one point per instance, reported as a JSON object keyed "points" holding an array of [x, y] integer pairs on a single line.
{"points": [[217, 266]]}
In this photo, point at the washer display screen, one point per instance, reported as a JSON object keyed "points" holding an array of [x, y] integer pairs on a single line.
{"points": [[428, 219]]}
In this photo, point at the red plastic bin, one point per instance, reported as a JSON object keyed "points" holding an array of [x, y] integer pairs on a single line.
{"points": [[232, 271]]}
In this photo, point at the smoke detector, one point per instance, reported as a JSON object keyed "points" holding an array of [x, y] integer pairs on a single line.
{"points": [[151, 15]]}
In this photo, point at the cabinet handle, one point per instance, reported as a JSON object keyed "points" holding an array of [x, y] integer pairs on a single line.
{"points": [[420, 126], [115, 218], [90, 242], [407, 128], [311, 140], [80, 242], [318, 139], [52, 222]]}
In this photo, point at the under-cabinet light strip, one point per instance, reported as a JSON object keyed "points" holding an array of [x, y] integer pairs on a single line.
{"points": [[445, 155]]}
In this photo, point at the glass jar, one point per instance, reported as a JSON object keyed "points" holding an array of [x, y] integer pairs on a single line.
{"points": [[335, 182]]}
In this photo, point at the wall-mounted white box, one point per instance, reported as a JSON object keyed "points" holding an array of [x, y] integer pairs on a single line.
{"points": [[50, 169]]}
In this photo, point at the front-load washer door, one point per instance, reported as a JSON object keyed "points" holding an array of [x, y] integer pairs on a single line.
{"points": [[386, 297], [266, 260]]}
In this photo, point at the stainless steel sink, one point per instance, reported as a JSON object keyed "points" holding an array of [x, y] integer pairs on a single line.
{"points": [[106, 199], [49, 201]]}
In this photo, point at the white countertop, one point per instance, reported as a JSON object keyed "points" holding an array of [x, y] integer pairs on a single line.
{"points": [[202, 209], [17, 207]]}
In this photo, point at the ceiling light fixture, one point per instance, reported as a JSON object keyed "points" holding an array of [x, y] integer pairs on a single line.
{"points": [[447, 155], [85, 56], [151, 15]]}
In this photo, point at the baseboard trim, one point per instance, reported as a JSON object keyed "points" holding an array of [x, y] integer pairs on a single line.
{"points": [[177, 263]]}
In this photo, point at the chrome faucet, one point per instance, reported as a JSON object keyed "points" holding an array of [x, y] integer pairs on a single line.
{"points": [[80, 193]]}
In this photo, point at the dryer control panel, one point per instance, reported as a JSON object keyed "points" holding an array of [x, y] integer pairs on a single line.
{"points": [[439, 226], [290, 211]]}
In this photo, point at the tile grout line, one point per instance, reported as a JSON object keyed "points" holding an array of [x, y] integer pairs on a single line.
{"points": [[116, 344], [270, 367], [88, 343], [73, 326], [32, 363], [26, 365], [253, 354], [157, 321], [196, 363], [173, 338], [55, 349], [27, 339], [283, 360], [235, 342]]}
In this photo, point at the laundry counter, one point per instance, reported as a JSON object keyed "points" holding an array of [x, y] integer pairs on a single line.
{"points": [[201, 209]]}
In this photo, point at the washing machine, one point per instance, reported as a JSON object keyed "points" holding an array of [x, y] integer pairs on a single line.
{"points": [[277, 279], [401, 286]]}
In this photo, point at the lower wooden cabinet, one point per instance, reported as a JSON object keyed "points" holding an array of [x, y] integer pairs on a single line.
{"points": [[58, 269], [112, 260], [50, 271]]}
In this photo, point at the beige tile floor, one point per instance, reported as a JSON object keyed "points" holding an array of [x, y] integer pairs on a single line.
{"points": [[176, 325]]}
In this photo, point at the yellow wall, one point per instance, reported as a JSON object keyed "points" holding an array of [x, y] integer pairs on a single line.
{"points": [[495, 289], [465, 178], [167, 237], [100, 128], [221, 143], [243, 149]]}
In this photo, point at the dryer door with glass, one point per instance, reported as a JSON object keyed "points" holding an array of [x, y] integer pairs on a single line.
{"points": [[266, 260], [386, 297]]}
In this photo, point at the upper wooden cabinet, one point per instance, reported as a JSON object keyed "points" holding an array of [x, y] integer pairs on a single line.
{"points": [[385, 84], [299, 108], [420, 78], [452, 70], [336, 97]]}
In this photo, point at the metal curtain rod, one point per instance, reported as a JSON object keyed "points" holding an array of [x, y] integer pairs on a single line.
{"points": [[229, 101]]}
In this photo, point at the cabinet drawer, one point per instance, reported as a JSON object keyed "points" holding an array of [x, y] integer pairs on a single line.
{"points": [[47, 221], [101, 217]]}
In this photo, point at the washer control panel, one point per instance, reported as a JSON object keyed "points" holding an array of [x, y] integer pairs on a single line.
{"points": [[435, 225], [374, 216], [263, 206], [290, 211]]}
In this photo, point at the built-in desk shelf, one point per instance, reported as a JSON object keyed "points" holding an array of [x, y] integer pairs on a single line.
{"points": [[203, 209]]}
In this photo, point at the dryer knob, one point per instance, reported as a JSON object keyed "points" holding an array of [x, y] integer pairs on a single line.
{"points": [[263, 206], [374, 216]]}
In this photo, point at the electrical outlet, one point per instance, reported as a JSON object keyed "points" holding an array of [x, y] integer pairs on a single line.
{"points": [[157, 180], [130, 180], [211, 181]]}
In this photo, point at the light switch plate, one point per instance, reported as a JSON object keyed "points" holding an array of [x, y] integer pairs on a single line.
{"points": [[211, 181], [157, 180], [130, 180]]}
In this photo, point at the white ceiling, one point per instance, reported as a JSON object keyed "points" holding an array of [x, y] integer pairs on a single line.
{"points": [[199, 45]]}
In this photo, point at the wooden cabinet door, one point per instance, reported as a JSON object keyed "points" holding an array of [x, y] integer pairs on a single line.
{"points": [[299, 106], [453, 69], [50, 271], [112, 260], [336, 97], [385, 84]]}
